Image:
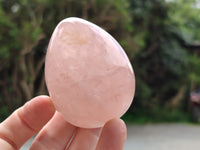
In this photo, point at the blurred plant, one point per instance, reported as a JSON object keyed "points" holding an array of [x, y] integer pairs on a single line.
{"points": [[194, 71], [164, 62]]}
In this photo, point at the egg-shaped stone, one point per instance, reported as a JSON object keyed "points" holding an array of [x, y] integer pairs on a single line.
{"points": [[88, 74]]}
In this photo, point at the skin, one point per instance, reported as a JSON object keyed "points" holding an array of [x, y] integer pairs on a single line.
{"points": [[38, 116]]}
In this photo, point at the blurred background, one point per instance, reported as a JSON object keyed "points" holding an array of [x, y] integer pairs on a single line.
{"points": [[160, 37]]}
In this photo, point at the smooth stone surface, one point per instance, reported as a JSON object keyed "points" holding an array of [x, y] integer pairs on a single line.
{"points": [[88, 75]]}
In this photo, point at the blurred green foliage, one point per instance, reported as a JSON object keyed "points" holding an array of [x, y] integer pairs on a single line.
{"points": [[161, 38]]}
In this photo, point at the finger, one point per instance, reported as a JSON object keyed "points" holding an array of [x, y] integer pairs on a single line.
{"points": [[5, 145], [55, 134], [85, 139], [113, 136], [26, 121]]}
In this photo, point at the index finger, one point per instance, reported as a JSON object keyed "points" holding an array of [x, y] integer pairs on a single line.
{"points": [[25, 122]]}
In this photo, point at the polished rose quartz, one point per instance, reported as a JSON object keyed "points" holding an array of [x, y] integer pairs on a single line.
{"points": [[88, 75]]}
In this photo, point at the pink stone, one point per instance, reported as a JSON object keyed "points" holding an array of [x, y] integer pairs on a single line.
{"points": [[88, 75]]}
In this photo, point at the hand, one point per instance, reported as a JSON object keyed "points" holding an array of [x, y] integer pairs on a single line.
{"points": [[39, 115]]}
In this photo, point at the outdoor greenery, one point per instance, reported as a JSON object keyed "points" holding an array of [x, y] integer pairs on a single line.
{"points": [[161, 38]]}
